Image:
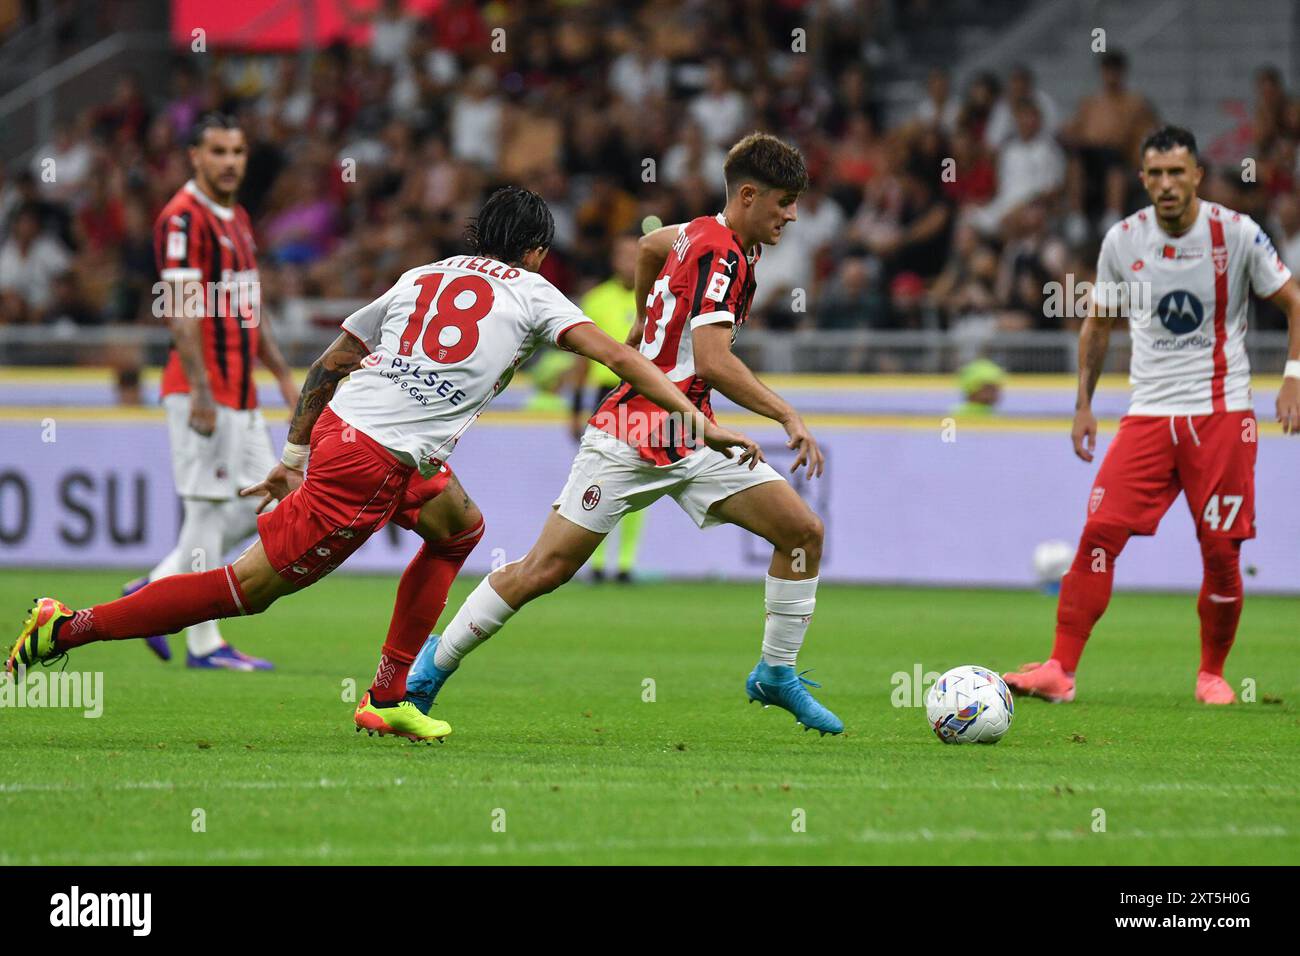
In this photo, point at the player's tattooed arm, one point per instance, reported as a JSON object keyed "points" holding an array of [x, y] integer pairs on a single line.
{"points": [[651, 253], [336, 363]]}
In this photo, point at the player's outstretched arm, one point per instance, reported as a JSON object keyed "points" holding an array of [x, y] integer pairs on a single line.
{"points": [[639, 372], [1287, 299], [651, 253], [718, 365], [343, 357], [1094, 341]]}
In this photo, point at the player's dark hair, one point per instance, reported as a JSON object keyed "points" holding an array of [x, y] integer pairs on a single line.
{"points": [[512, 221], [1115, 60], [1171, 137], [209, 121], [763, 159]]}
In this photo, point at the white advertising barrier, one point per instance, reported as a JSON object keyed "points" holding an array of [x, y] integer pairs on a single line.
{"points": [[901, 502]]}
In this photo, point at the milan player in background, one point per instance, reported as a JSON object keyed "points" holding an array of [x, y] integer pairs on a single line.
{"points": [[1191, 423], [203, 244]]}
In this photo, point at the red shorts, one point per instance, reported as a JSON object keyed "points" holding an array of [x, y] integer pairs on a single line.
{"points": [[354, 486], [1152, 457]]}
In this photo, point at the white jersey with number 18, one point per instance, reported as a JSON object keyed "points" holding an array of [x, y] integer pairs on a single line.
{"points": [[443, 342]]}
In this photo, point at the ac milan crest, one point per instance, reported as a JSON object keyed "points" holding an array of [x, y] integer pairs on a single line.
{"points": [[591, 498], [1094, 502]]}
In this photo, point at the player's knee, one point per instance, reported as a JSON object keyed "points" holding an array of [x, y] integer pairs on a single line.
{"points": [[461, 543], [1101, 539], [1220, 558], [258, 601], [805, 534]]}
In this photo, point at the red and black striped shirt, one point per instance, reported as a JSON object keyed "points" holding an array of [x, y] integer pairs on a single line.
{"points": [[198, 240], [707, 279]]}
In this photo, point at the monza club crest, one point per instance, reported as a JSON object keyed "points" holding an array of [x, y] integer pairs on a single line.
{"points": [[1094, 501], [591, 498]]}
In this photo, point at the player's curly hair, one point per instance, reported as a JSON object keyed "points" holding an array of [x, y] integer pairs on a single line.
{"points": [[512, 221], [763, 159]]}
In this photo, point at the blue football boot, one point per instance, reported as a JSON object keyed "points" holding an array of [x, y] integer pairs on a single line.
{"points": [[425, 678], [781, 686]]}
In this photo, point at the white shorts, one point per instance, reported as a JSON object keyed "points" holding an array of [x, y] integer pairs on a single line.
{"points": [[609, 479], [237, 454]]}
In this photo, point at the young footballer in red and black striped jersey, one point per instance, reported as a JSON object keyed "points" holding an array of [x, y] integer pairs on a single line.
{"points": [[695, 283]]}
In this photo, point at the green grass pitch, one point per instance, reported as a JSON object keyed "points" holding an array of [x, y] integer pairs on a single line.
{"points": [[554, 741]]}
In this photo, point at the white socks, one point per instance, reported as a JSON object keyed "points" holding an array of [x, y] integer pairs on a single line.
{"points": [[790, 607], [481, 616]]}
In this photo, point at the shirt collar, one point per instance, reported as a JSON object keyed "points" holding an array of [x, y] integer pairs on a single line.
{"points": [[218, 210]]}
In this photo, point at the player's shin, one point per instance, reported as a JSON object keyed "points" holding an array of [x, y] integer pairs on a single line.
{"points": [[1220, 601], [789, 606], [1085, 591], [421, 597], [162, 607], [200, 549], [482, 615]]}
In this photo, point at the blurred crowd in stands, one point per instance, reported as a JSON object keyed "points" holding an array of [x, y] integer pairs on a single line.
{"points": [[367, 160]]}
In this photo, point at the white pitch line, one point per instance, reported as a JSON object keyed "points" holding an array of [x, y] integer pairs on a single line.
{"points": [[507, 847], [323, 783]]}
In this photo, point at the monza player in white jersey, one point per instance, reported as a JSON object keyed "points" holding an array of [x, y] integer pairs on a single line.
{"points": [[424, 360], [1181, 271]]}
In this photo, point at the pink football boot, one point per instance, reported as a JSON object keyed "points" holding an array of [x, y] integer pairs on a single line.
{"points": [[1213, 689], [1048, 681]]}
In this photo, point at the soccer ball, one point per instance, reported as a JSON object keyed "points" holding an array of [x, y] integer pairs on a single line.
{"points": [[969, 704], [1051, 560]]}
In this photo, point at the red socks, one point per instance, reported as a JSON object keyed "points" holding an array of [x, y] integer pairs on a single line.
{"points": [[1085, 590], [421, 597], [163, 607], [1220, 601]]}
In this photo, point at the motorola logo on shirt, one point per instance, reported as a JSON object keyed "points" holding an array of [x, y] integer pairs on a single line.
{"points": [[1180, 312]]}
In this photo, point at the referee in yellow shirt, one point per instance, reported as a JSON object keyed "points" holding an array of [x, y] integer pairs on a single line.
{"points": [[612, 306]]}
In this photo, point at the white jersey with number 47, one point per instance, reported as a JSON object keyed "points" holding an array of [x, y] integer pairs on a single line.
{"points": [[443, 342], [1187, 319]]}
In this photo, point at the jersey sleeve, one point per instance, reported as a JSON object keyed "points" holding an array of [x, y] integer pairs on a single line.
{"points": [[715, 296], [1264, 267], [553, 314], [367, 323], [178, 248], [1109, 291]]}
